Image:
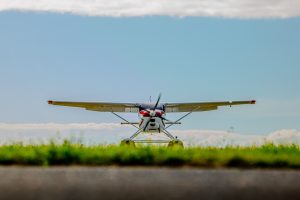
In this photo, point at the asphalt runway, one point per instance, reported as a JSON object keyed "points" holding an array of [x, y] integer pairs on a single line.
{"points": [[140, 183]]}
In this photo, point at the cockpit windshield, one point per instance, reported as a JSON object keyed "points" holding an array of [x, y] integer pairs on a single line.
{"points": [[151, 106]]}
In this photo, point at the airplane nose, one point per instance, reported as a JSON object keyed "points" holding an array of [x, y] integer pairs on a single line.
{"points": [[152, 113]]}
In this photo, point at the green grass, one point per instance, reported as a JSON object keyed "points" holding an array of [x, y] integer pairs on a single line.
{"points": [[267, 156]]}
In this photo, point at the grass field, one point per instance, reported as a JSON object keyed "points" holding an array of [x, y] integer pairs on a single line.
{"points": [[267, 156]]}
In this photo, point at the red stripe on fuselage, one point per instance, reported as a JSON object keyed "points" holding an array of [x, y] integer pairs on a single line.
{"points": [[145, 113]]}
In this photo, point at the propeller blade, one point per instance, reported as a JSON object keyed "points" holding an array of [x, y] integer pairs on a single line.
{"points": [[157, 102], [147, 124]]}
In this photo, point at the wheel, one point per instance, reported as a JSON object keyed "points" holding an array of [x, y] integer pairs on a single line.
{"points": [[128, 143], [175, 143]]}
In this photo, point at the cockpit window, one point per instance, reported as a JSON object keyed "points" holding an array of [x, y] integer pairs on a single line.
{"points": [[151, 106]]}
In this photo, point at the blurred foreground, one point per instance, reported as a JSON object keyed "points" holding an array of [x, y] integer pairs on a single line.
{"points": [[266, 156], [146, 183]]}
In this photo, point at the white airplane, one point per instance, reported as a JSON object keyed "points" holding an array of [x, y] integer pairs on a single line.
{"points": [[152, 115]]}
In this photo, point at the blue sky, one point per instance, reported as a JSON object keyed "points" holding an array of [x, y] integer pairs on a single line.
{"points": [[68, 57]]}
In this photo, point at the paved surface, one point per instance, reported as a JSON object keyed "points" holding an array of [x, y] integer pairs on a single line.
{"points": [[146, 183]]}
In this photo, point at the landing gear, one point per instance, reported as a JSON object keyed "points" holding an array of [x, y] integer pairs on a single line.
{"points": [[175, 143], [172, 141], [128, 143]]}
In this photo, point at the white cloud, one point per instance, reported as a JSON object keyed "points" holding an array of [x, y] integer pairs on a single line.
{"points": [[181, 8], [88, 133], [99, 133], [58, 126], [223, 138], [284, 137]]}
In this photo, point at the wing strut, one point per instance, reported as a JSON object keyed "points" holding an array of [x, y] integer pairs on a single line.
{"points": [[184, 116], [125, 120]]}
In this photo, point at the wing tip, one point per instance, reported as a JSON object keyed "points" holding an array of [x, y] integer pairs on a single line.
{"points": [[50, 102]]}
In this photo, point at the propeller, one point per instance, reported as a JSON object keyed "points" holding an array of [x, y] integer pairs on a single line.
{"points": [[152, 111]]}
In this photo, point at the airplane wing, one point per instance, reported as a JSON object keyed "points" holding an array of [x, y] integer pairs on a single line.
{"points": [[202, 106], [99, 106]]}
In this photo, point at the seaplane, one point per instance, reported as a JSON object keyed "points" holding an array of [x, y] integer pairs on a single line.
{"points": [[152, 115]]}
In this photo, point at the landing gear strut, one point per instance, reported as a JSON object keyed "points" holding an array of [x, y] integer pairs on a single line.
{"points": [[172, 141]]}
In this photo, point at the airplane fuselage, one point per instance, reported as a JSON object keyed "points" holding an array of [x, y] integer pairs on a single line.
{"points": [[151, 120]]}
